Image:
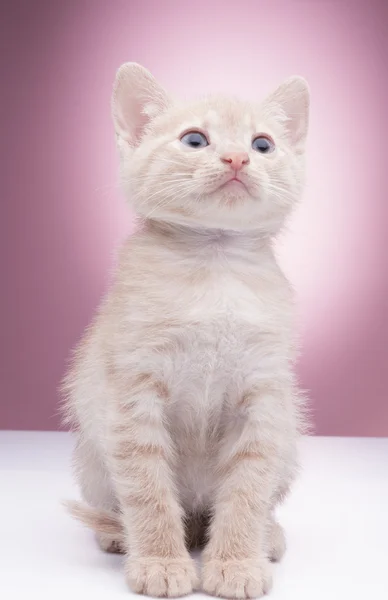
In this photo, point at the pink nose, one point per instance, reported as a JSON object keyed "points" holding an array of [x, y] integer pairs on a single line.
{"points": [[236, 159]]}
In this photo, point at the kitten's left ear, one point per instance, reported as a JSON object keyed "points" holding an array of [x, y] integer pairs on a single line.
{"points": [[293, 99], [137, 98]]}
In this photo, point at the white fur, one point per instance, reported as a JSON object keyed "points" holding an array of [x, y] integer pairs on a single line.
{"points": [[182, 392]]}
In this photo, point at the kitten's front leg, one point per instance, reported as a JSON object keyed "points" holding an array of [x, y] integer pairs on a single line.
{"points": [[141, 458], [235, 562]]}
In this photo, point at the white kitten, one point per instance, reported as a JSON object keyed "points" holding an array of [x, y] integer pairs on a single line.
{"points": [[182, 393]]}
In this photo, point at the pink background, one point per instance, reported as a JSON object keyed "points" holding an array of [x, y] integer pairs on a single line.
{"points": [[62, 215]]}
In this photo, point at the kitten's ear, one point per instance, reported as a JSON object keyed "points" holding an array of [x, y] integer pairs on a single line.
{"points": [[293, 99], [136, 99]]}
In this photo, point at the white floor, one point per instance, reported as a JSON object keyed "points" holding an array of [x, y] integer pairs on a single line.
{"points": [[336, 523]]}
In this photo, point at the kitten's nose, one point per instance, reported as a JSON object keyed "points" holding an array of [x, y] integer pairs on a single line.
{"points": [[236, 159]]}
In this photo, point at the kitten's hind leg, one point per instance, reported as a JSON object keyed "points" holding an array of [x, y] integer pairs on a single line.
{"points": [[276, 540], [92, 476], [107, 525], [110, 544], [97, 491]]}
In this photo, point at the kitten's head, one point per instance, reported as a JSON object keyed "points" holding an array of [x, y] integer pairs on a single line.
{"points": [[217, 162]]}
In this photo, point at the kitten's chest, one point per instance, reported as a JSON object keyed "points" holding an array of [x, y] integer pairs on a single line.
{"points": [[209, 373], [222, 326], [225, 302]]}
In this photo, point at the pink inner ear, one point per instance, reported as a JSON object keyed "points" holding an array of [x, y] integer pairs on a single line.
{"points": [[136, 100], [292, 98], [137, 120], [129, 117]]}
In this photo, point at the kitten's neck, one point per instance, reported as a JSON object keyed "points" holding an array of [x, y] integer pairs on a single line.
{"points": [[200, 245], [188, 236]]}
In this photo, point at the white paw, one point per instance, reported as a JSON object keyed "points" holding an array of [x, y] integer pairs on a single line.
{"points": [[250, 578], [162, 576]]}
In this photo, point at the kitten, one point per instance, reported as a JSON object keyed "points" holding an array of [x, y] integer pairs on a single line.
{"points": [[182, 392]]}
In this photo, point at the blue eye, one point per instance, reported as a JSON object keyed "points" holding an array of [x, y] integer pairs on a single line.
{"points": [[194, 139], [263, 144]]}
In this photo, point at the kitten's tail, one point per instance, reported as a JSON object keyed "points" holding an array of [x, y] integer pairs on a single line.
{"points": [[101, 521]]}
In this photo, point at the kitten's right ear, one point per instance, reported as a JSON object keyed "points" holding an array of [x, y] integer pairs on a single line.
{"points": [[136, 99], [292, 99]]}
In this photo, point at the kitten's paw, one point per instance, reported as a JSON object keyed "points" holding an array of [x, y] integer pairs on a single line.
{"points": [[237, 578], [276, 542], [162, 576], [109, 544]]}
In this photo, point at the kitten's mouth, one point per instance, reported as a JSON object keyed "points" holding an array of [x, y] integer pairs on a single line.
{"points": [[233, 182]]}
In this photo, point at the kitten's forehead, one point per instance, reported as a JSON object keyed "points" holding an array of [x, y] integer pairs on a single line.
{"points": [[216, 111]]}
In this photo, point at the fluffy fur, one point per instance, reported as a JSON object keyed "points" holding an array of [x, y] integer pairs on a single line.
{"points": [[182, 393]]}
